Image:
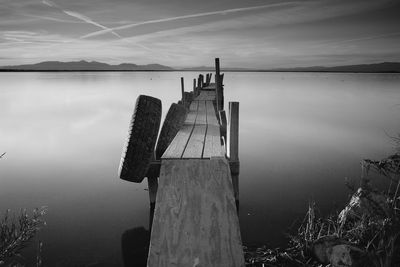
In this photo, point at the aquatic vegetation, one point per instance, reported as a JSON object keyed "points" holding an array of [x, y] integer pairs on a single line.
{"points": [[365, 233], [16, 232]]}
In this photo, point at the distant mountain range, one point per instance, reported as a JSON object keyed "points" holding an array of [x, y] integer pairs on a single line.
{"points": [[83, 66], [385, 67], [388, 67]]}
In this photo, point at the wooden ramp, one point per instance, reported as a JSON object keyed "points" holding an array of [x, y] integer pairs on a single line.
{"points": [[195, 220]]}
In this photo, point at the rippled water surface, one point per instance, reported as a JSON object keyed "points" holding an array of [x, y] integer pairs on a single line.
{"points": [[301, 134]]}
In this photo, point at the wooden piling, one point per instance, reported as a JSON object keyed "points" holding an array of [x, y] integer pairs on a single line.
{"points": [[218, 87], [234, 146], [223, 123], [153, 186], [195, 93], [183, 91]]}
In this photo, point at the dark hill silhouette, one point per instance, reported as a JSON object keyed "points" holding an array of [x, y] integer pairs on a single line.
{"points": [[365, 68], [385, 67], [84, 66]]}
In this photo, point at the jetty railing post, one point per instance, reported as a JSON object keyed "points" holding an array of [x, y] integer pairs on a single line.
{"points": [[234, 147], [183, 91], [217, 84], [194, 88], [223, 123]]}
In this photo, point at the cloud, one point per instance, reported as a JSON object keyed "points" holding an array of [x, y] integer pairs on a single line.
{"points": [[372, 37], [81, 17], [51, 18], [204, 14]]}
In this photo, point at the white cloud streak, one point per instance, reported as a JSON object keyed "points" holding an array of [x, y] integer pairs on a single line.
{"points": [[81, 17], [204, 14]]}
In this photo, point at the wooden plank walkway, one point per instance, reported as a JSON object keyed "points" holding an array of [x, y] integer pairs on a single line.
{"points": [[195, 219], [200, 137]]}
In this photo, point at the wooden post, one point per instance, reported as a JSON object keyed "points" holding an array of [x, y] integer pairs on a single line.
{"points": [[234, 147], [183, 91], [152, 180], [152, 183], [221, 91], [153, 186], [194, 88], [223, 123], [217, 76]]}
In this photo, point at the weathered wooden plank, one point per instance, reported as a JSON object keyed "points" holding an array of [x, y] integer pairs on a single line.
{"points": [[191, 117], [178, 144], [211, 86], [195, 220], [212, 145], [205, 97], [194, 148], [201, 113], [193, 106], [211, 115]]}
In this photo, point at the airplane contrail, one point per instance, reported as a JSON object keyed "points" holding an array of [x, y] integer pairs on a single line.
{"points": [[220, 12], [80, 17]]}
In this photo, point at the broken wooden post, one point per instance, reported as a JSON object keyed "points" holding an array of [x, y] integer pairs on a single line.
{"points": [[183, 91], [234, 147]]}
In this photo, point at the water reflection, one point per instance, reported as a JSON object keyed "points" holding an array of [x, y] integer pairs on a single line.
{"points": [[300, 135], [135, 247], [135, 244]]}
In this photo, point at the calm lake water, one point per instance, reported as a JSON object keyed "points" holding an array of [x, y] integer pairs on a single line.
{"points": [[301, 134]]}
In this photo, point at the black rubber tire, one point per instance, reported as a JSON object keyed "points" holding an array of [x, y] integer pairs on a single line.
{"points": [[142, 136], [173, 122]]}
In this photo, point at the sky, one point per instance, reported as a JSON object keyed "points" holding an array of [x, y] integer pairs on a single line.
{"points": [[242, 33]]}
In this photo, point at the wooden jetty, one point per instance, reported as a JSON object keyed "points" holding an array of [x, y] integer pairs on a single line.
{"points": [[196, 195]]}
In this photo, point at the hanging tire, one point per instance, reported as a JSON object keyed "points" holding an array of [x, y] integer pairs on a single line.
{"points": [[173, 122], [142, 136]]}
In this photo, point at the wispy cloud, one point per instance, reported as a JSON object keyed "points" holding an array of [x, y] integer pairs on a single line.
{"points": [[51, 18], [80, 17], [366, 38], [204, 14]]}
